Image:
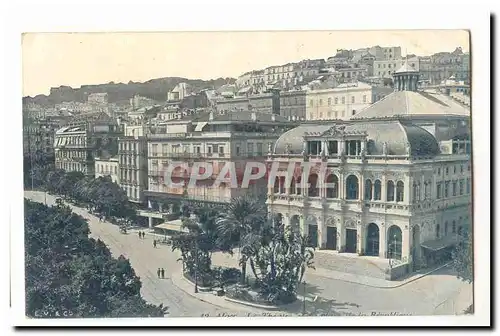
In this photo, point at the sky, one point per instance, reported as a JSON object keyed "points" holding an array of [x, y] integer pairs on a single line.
{"points": [[75, 59]]}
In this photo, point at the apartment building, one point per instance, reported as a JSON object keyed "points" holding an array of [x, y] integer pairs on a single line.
{"points": [[214, 139], [343, 101], [386, 68], [83, 139], [107, 167]]}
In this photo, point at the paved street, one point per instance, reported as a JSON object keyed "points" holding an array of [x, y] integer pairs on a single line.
{"points": [[436, 293]]}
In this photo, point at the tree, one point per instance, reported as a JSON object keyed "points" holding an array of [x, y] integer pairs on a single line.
{"points": [[463, 259], [54, 180], [196, 247], [68, 182], [244, 215], [279, 258], [69, 273]]}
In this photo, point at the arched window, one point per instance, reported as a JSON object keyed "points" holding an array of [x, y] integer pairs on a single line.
{"points": [[292, 187], [390, 191], [400, 191], [332, 186], [438, 231], [352, 187], [313, 188], [377, 191], [299, 185], [276, 185], [368, 190], [282, 185], [446, 228], [416, 191], [394, 242]]}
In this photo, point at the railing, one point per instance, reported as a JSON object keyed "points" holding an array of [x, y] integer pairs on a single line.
{"points": [[407, 158]]}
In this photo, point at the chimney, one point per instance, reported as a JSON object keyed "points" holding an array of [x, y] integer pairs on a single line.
{"points": [[211, 115], [254, 116]]}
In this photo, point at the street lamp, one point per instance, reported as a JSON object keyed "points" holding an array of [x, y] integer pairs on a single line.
{"points": [[196, 269], [304, 298]]}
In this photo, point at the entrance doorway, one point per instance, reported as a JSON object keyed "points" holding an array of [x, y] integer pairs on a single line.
{"points": [[331, 238], [312, 235], [351, 240], [372, 240]]}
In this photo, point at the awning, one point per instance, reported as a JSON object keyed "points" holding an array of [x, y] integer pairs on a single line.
{"points": [[175, 225], [439, 244], [200, 125], [245, 89]]}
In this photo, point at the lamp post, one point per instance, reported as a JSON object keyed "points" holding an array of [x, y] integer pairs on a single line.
{"points": [[304, 298], [196, 269]]}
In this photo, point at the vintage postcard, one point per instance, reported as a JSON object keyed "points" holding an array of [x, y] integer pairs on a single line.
{"points": [[320, 174]]}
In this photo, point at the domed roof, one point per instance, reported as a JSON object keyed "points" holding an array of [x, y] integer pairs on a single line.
{"points": [[395, 134], [405, 68], [294, 138]]}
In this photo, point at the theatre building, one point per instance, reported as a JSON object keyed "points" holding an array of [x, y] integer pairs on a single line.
{"points": [[397, 183]]}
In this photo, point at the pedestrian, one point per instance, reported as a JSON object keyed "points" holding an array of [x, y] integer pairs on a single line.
{"points": [[162, 273], [139, 234], [158, 272], [142, 232], [154, 243]]}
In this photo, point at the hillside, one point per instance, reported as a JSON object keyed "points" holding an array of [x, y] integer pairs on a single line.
{"points": [[155, 89]]}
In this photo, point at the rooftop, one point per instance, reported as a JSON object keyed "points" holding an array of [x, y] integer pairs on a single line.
{"points": [[395, 135], [406, 68], [413, 103]]}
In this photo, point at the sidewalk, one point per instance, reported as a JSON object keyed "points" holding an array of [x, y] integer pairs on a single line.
{"points": [[220, 259]]}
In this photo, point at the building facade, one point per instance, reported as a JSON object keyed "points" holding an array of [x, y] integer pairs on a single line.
{"points": [[386, 68], [260, 103], [107, 167], [38, 134], [343, 101], [212, 139], [180, 91], [77, 145], [133, 164], [396, 187], [293, 104]]}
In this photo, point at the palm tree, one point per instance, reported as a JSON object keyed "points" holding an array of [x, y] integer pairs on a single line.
{"points": [[244, 216]]}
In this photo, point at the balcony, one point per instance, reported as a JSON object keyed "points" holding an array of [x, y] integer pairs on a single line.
{"points": [[152, 213], [387, 207]]}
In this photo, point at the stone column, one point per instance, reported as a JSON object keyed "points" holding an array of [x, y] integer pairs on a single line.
{"points": [[357, 148], [321, 233], [302, 225], [360, 246], [150, 222], [407, 181], [341, 235], [361, 193], [406, 244], [324, 145], [150, 205], [160, 207], [341, 185], [383, 241], [383, 187]]}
